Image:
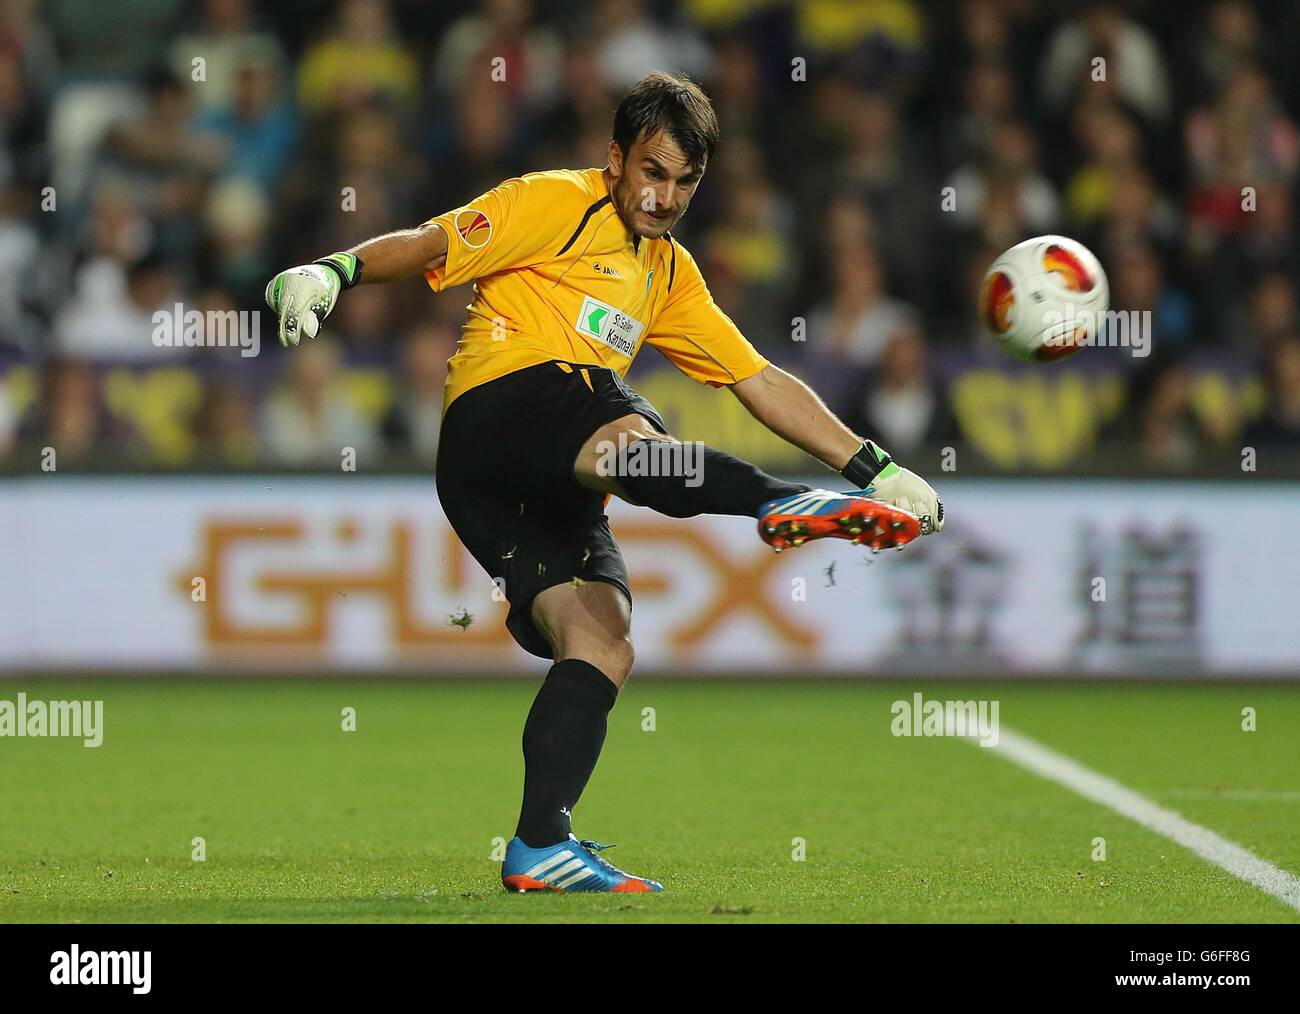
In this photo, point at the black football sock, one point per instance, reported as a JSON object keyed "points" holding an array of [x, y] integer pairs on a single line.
{"points": [[683, 480], [562, 740]]}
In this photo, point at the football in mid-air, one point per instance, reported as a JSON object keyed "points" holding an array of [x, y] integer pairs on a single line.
{"points": [[1045, 298]]}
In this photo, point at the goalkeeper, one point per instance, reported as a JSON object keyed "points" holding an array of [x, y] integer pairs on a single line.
{"points": [[575, 272]]}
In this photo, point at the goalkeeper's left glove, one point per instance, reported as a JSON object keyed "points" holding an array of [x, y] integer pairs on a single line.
{"points": [[881, 478], [303, 297]]}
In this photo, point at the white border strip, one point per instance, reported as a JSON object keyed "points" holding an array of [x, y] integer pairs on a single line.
{"points": [[1240, 862]]}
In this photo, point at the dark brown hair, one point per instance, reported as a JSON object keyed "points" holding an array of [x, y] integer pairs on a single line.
{"points": [[672, 104]]}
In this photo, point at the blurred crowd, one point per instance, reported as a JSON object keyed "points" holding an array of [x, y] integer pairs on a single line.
{"points": [[182, 151]]}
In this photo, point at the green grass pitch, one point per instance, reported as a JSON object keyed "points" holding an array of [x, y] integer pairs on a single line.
{"points": [[395, 822]]}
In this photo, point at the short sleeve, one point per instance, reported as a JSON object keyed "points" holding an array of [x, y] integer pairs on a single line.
{"points": [[695, 335], [514, 225]]}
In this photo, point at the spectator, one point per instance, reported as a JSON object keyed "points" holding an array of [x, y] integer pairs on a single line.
{"points": [[96, 40], [257, 129], [632, 44], [165, 161], [367, 323], [901, 406], [410, 427], [887, 39], [69, 416], [1135, 214], [1280, 424], [529, 54], [580, 110], [882, 164], [1244, 140], [227, 40], [163, 143], [751, 247], [1272, 313], [484, 139], [737, 88], [362, 58], [112, 317], [1267, 242], [237, 220], [307, 420], [1133, 69], [855, 324], [369, 184], [1111, 144], [1010, 165], [1137, 285], [1171, 435], [20, 254], [987, 100], [26, 63], [221, 430], [1230, 41], [986, 30], [1246, 135]]}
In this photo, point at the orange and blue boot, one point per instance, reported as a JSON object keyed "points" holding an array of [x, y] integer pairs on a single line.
{"points": [[822, 513]]}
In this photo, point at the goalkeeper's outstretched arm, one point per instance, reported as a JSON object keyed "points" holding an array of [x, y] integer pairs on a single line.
{"points": [[790, 409], [403, 254], [302, 297]]}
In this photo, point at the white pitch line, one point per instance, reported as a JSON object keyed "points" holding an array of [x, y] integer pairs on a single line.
{"points": [[1240, 862]]}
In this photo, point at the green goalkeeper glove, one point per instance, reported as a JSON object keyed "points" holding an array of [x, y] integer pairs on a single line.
{"points": [[303, 297]]}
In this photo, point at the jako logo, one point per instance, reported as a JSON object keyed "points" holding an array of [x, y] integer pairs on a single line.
{"points": [[74, 967]]}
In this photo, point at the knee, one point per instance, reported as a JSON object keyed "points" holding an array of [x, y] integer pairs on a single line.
{"points": [[622, 656], [658, 473], [615, 658], [591, 621], [612, 654]]}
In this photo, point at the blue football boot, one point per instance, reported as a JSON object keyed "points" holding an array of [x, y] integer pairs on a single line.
{"points": [[571, 865]]}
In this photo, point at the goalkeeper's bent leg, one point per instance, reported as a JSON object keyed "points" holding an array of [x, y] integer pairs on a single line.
{"points": [[683, 480]]}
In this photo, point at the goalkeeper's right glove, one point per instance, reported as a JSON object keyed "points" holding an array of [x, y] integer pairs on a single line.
{"points": [[303, 297]]}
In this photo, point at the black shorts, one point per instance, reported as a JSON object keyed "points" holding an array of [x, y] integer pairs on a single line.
{"points": [[505, 480]]}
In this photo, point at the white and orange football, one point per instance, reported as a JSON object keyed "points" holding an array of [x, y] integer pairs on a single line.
{"points": [[1045, 298]]}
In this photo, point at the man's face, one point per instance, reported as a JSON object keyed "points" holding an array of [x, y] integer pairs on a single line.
{"points": [[652, 184]]}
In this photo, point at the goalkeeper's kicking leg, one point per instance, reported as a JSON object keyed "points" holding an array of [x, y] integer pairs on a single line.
{"points": [[632, 459]]}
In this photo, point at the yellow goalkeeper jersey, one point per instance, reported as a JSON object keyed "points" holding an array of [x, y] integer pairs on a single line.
{"points": [[558, 276]]}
